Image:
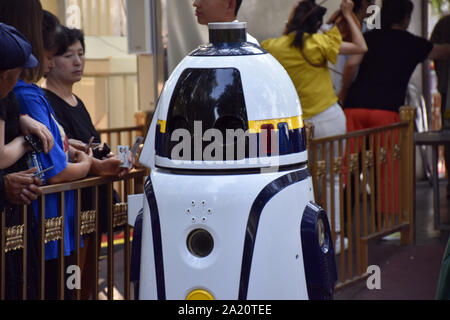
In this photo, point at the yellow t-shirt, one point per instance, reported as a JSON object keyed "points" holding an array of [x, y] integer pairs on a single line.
{"points": [[314, 85]]}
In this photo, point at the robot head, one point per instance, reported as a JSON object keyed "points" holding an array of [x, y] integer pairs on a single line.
{"points": [[229, 105]]}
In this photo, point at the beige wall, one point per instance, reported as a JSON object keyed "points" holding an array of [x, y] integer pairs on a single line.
{"points": [[56, 7], [50, 5], [109, 86]]}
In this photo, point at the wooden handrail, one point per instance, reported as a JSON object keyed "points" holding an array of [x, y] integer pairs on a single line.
{"points": [[90, 182], [361, 133], [122, 129]]}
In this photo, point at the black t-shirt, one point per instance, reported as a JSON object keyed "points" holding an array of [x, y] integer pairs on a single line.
{"points": [[76, 121], [77, 124], [385, 71], [10, 113]]}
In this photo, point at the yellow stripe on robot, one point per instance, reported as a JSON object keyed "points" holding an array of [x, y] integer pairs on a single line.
{"points": [[293, 123], [255, 125], [162, 125]]}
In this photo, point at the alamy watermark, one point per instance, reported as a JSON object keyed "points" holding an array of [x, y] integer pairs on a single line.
{"points": [[373, 20], [73, 281], [374, 280], [235, 146]]}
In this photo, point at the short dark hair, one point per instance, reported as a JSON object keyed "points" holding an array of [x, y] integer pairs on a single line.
{"points": [[395, 11], [71, 36], [358, 4], [51, 30], [238, 6]]}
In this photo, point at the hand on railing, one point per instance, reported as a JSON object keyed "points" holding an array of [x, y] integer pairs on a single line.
{"points": [[78, 156], [22, 187], [109, 166]]}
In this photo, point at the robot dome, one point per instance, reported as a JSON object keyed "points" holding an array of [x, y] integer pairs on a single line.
{"points": [[229, 209]]}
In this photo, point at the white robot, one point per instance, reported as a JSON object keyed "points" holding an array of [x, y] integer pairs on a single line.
{"points": [[229, 209]]}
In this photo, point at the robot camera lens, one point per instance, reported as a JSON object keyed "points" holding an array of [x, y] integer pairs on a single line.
{"points": [[200, 243]]}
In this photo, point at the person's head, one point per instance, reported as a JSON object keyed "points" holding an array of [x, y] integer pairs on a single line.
{"points": [[15, 56], [307, 17], [396, 13], [52, 31], [26, 17], [208, 11], [69, 59]]}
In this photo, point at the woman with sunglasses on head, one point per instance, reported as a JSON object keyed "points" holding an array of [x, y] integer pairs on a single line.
{"points": [[304, 51]]}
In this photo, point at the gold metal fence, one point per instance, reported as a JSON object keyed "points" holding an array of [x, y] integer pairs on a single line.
{"points": [[373, 172], [127, 135], [14, 238], [121, 136]]}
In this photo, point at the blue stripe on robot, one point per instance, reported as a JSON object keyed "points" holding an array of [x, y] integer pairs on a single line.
{"points": [[260, 202], [157, 239]]}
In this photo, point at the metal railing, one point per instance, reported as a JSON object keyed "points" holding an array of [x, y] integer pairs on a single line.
{"points": [[352, 161], [121, 136], [14, 238], [373, 172]]}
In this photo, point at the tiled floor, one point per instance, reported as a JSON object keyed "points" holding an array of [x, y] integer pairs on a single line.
{"points": [[408, 272]]}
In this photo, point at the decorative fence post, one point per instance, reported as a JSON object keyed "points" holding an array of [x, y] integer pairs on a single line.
{"points": [[408, 114]]}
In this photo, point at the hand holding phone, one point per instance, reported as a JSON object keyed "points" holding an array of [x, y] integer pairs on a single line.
{"points": [[40, 173], [102, 152]]}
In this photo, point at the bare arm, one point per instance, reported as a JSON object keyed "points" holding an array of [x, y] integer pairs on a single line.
{"points": [[30, 126], [76, 170], [440, 52], [11, 152], [349, 73], [108, 167], [358, 44]]}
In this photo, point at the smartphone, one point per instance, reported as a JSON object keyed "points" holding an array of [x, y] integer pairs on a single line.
{"points": [[101, 151], [135, 148], [39, 173]]}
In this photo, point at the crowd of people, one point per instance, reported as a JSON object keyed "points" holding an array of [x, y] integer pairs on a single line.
{"points": [[364, 89], [44, 129], [374, 74]]}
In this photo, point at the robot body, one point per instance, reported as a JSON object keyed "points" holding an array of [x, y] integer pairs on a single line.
{"points": [[224, 220], [257, 250]]}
